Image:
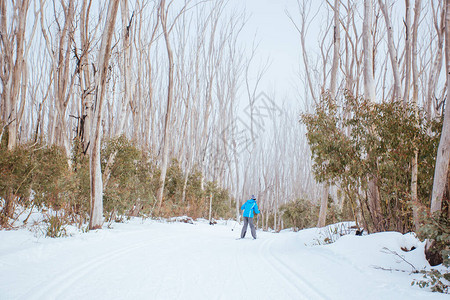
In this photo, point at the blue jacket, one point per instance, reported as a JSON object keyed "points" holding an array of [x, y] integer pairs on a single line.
{"points": [[249, 207]]}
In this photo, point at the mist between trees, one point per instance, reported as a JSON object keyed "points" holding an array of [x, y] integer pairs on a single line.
{"points": [[116, 108], [137, 104]]}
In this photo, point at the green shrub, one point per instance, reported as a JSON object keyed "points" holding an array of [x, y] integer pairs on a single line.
{"points": [[41, 176], [16, 169], [299, 214], [220, 206], [131, 184], [55, 227], [363, 140], [50, 165], [77, 185], [173, 188], [435, 280]]}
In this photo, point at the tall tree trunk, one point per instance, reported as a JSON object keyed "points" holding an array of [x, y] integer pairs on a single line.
{"points": [[12, 82], [126, 63], [126, 66], [369, 93], [336, 48], [63, 84], [437, 60], [96, 213], [166, 144], [323, 206], [440, 179], [407, 52], [84, 130], [443, 154], [333, 87], [414, 163], [369, 82], [392, 51]]}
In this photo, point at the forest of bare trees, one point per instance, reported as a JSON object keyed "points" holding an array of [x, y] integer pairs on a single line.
{"points": [[169, 77], [176, 80]]}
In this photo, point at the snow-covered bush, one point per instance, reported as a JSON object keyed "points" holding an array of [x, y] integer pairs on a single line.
{"points": [[331, 233], [437, 229]]}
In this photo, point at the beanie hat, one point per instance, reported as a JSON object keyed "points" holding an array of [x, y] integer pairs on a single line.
{"points": [[253, 197]]}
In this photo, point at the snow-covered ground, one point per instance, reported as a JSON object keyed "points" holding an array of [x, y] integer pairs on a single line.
{"points": [[157, 260]]}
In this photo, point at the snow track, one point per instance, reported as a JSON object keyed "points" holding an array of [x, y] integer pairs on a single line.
{"points": [[182, 261], [304, 288], [66, 280]]}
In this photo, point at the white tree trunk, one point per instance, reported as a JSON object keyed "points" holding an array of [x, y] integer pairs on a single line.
{"points": [[414, 163], [96, 215], [166, 144], [126, 66], [323, 206], [13, 83], [407, 52], [336, 48], [369, 82], [369, 93], [443, 154], [437, 61], [333, 87], [392, 50]]}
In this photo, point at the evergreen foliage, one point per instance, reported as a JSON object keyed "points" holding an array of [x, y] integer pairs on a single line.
{"points": [[15, 181], [363, 139], [131, 184], [36, 175], [299, 214]]}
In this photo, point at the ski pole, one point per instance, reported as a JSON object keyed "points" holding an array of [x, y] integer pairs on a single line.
{"points": [[234, 225]]}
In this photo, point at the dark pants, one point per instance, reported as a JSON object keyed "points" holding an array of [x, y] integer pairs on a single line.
{"points": [[248, 220]]}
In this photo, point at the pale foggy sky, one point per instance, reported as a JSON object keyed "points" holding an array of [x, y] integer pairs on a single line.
{"points": [[278, 43]]}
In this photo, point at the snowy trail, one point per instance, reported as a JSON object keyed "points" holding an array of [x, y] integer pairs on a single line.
{"points": [[183, 261]]}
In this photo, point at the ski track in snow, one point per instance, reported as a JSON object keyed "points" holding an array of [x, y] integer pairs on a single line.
{"points": [[183, 261], [63, 281], [290, 276]]}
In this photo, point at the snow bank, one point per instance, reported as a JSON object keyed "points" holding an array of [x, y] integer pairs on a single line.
{"points": [[148, 259]]}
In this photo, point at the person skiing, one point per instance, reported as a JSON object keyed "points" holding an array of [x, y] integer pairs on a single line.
{"points": [[250, 207]]}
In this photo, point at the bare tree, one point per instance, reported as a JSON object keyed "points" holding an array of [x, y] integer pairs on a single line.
{"points": [[304, 8], [127, 79], [408, 53], [392, 50], [12, 64], [414, 164], [163, 10], [85, 75], [443, 154], [333, 86], [437, 58], [369, 93], [96, 214], [64, 81]]}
